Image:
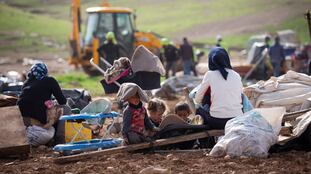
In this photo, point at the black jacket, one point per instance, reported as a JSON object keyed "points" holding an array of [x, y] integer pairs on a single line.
{"points": [[186, 51], [170, 53], [110, 51], [35, 93]]}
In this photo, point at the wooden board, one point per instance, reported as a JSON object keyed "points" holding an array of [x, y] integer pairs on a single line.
{"points": [[129, 148], [12, 131], [293, 115]]}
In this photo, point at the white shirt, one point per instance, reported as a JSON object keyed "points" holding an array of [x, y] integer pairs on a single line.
{"points": [[225, 94]]}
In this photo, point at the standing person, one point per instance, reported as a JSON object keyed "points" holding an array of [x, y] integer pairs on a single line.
{"points": [[36, 92], [222, 87], [276, 53], [170, 55], [135, 118], [186, 52], [110, 49], [218, 40]]}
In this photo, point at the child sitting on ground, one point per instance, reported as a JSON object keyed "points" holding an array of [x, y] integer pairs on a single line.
{"points": [[135, 118], [182, 109], [156, 109]]}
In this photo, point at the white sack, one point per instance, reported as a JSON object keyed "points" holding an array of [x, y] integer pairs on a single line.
{"points": [[250, 134]]}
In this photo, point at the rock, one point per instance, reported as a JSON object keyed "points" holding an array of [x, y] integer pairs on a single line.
{"points": [[110, 168], [275, 162], [273, 172], [227, 157], [154, 170], [169, 156], [244, 157], [232, 163], [68, 173]]}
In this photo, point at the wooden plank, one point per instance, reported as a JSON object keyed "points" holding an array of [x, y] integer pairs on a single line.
{"points": [[284, 139], [182, 151], [293, 115], [14, 150], [129, 148], [12, 128], [286, 131]]}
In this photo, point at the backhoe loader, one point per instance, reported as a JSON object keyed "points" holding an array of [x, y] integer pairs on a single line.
{"points": [[101, 20]]}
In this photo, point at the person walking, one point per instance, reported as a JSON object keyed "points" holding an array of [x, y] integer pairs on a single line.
{"points": [[186, 52], [276, 53], [170, 56]]}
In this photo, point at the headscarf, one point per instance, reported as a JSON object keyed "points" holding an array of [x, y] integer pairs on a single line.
{"points": [[218, 59], [38, 71], [128, 90], [110, 36]]}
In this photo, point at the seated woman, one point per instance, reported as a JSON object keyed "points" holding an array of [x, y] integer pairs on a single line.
{"points": [[221, 90], [36, 91]]}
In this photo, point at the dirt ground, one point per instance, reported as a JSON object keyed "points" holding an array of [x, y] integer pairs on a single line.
{"points": [[41, 161], [188, 162], [57, 63]]}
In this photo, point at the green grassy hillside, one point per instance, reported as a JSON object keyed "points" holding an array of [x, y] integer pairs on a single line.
{"points": [[28, 24], [29, 32]]}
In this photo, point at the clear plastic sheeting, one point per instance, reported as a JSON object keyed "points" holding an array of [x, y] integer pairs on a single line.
{"points": [[251, 134], [303, 122], [290, 90]]}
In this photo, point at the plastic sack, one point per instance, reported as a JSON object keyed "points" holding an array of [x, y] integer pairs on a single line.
{"points": [[250, 134], [37, 135]]}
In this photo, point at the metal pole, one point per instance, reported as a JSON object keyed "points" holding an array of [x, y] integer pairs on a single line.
{"points": [[308, 17]]}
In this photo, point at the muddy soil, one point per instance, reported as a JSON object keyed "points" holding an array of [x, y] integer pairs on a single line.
{"points": [[188, 162]]}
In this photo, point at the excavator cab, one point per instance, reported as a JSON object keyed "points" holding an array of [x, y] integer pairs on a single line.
{"points": [[102, 20]]}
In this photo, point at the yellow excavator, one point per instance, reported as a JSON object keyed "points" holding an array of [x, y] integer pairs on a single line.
{"points": [[101, 20]]}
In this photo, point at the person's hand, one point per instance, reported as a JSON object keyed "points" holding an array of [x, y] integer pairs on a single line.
{"points": [[186, 91], [156, 129], [125, 141]]}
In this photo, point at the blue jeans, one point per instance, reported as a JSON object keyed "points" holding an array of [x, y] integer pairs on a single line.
{"points": [[188, 67], [276, 69]]}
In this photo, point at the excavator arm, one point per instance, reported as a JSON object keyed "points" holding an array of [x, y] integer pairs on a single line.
{"points": [[74, 39]]}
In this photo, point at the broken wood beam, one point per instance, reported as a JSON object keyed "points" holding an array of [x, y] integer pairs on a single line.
{"points": [[286, 131], [133, 147], [293, 115], [14, 150], [182, 151]]}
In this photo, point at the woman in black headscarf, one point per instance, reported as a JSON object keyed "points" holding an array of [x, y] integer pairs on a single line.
{"points": [[36, 93], [220, 91]]}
